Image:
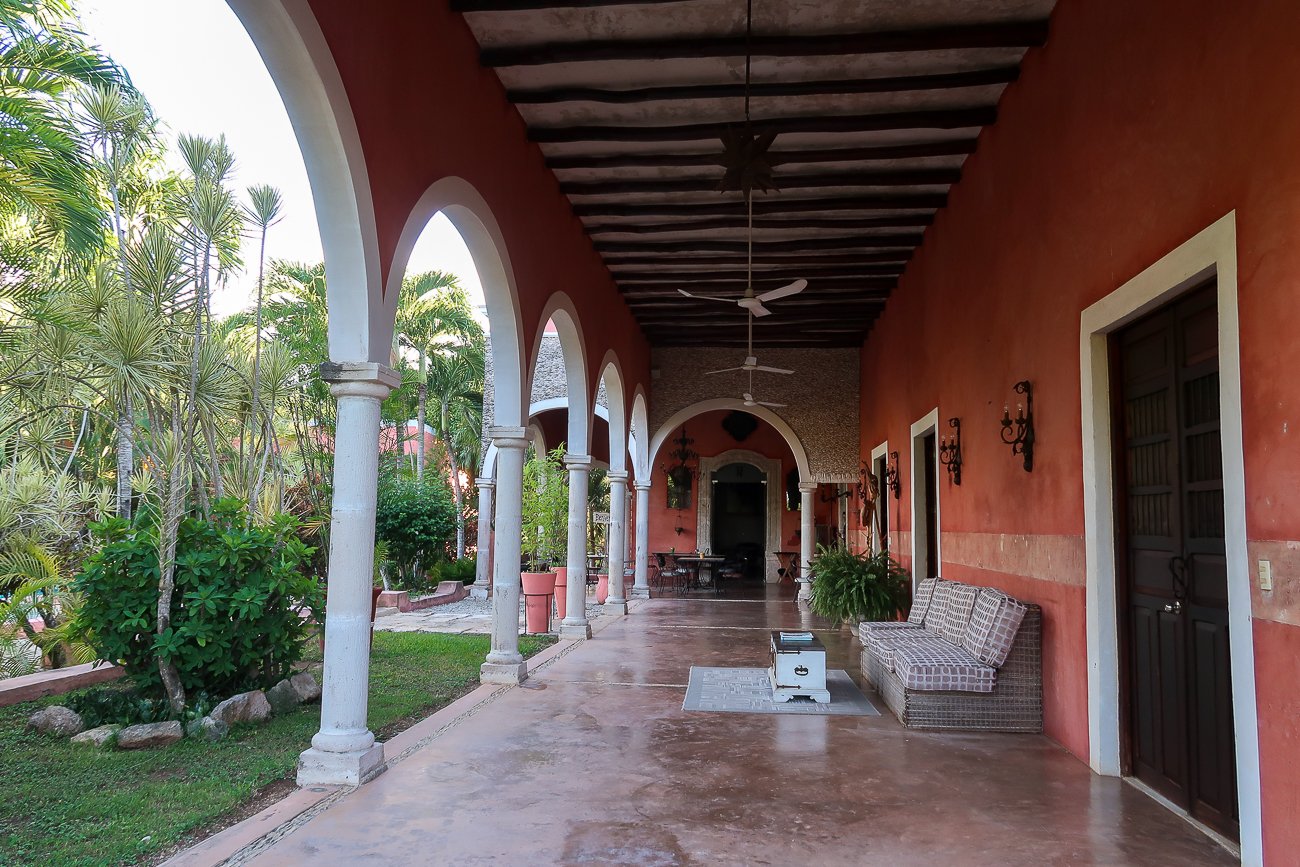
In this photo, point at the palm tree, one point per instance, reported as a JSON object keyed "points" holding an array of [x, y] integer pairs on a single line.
{"points": [[455, 379], [264, 208]]}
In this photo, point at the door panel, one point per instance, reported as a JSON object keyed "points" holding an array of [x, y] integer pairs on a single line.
{"points": [[1174, 567]]}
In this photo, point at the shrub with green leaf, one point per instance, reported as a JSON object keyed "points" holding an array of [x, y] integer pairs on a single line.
{"points": [[463, 570], [241, 610], [849, 587], [417, 522], [545, 525]]}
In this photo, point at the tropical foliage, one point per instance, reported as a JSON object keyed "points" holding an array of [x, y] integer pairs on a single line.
{"points": [[415, 521], [545, 524], [848, 587]]}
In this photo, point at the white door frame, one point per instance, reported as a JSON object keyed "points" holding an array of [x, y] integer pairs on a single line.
{"points": [[775, 491], [873, 533], [928, 423], [1212, 253]]}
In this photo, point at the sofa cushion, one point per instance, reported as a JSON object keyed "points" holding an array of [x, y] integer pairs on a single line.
{"points": [[921, 601], [961, 601], [867, 628], [883, 646], [993, 625], [937, 666], [940, 599]]}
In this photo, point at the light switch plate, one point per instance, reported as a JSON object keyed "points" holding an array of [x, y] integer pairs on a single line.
{"points": [[1265, 576]]}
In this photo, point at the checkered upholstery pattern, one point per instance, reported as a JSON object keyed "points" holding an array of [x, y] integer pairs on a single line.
{"points": [[937, 666], [993, 625], [940, 599], [868, 628], [961, 601], [885, 646], [921, 601]]}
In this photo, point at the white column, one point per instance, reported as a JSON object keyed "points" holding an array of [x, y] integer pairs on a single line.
{"points": [[504, 663], [574, 624], [641, 585], [344, 751], [617, 541], [483, 561], [807, 538]]}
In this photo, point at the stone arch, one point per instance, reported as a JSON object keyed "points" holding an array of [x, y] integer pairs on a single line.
{"points": [[535, 434], [684, 415], [561, 311], [639, 435], [291, 44], [611, 373], [468, 211]]}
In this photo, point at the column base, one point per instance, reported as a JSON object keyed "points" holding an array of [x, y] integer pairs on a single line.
{"points": [[640, 593], [577, 631], [510, 673], [805, 590], [321, 768], [615, 606]]}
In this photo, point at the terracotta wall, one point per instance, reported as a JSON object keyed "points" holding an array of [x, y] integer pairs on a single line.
{"points": [[711, 439], [1138, 125]]}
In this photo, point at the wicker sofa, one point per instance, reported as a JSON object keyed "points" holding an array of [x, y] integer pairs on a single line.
{"points": [[966, 658]]}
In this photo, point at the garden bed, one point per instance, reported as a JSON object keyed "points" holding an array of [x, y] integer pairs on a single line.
{"points": [[68, 805]]}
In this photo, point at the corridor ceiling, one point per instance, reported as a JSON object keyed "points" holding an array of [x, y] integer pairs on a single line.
{"points": [[877, 104]]}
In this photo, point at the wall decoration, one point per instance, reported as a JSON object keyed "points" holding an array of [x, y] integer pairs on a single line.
{"points": [[739, 425], [679, 471], [1019, 432]]}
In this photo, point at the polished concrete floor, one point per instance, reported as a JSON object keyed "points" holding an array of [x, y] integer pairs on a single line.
{"points": [[598, 764]]}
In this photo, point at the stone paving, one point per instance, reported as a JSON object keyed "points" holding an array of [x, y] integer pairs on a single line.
{"points": [[470, 616]]}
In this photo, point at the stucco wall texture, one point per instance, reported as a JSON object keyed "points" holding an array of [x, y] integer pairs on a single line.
{"points": [[1138, 125]]}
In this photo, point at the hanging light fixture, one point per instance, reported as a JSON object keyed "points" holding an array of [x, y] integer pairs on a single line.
{"points": [[680, 472]]}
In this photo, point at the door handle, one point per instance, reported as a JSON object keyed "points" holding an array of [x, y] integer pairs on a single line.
{"points": [[1175, 607]]}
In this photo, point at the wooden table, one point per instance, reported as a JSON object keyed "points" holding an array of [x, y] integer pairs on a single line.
{"points": [[703, 564], [789, 564]]}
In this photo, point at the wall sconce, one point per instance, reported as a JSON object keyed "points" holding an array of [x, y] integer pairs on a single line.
{"points": [[834, 496], [1019, 432], [950, 451], [891, 476]]}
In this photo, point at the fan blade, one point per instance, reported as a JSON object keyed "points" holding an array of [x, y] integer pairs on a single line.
{"points": [[724, 370], [749, 398], [793, 289], [768, 403], [760, 310], [780, 370], [707, 297]]}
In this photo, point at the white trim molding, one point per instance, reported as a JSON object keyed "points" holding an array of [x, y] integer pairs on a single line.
{"points": [[873, 532], [1212, 253], [928, 423], [775, 488]]}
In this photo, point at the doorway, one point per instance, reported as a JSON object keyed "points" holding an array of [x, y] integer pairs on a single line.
{"points": [[740, 516], [926, 557], [1172, 559]]}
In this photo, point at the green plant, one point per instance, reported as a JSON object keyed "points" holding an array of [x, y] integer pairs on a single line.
{"points": [[545, 525], [240, 605], [463, 570], [417, 522], [848, 586]]}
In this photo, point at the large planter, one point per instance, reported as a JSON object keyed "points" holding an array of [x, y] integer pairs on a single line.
{"points": [[537, 602], [561, 596], [602, 589]]}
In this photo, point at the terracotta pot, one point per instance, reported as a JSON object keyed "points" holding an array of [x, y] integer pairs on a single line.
{"points": [[602, 589], [561, 585], [537, 604]]}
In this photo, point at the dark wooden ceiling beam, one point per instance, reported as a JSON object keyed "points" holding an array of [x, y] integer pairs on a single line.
{"points": [[777, 204], [847, 242], [760, 260], [893, 84], [737, 275], [951, 118], [899, 221], [530, 5], [1011, 34], [953, 147], [633, 186]]}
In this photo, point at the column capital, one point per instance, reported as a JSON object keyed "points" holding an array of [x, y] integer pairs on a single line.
{"points": [[641, 486], [485, 482], [508, 437], [360, 378], [808, 487], [619, 476], [577, 462]]}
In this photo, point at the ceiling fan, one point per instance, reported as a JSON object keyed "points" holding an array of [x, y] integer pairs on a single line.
{"points": [[747, 165], [751, 364], [749, 401]]}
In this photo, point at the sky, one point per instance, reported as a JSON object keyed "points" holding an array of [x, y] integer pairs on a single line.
{"points": [[197, 66]]}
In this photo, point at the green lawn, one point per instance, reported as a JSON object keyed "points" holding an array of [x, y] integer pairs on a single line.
{"points": [[68, 805]]}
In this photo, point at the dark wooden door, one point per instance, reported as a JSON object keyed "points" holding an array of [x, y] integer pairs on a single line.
{"points": [[930, 473], [1180, 693], [882, 502]]}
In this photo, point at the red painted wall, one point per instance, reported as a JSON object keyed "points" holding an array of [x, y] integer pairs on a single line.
{"points": [[711, 439], [1138, 125], [426, 110]]}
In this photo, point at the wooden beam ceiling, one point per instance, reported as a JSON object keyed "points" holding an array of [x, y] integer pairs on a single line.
{"points": [[731, 275], [761, 260], [848, 242], [895, 84], [907, 178], [1016, 34], [777, 204], [947, 148], [899, 221]]}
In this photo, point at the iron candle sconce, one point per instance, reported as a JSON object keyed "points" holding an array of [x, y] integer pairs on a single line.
{"points": [[1018, 432], [950, 451], [891, 476]]}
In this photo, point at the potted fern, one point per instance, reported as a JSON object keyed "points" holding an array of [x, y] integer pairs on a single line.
{"points": [[849, 587]]}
